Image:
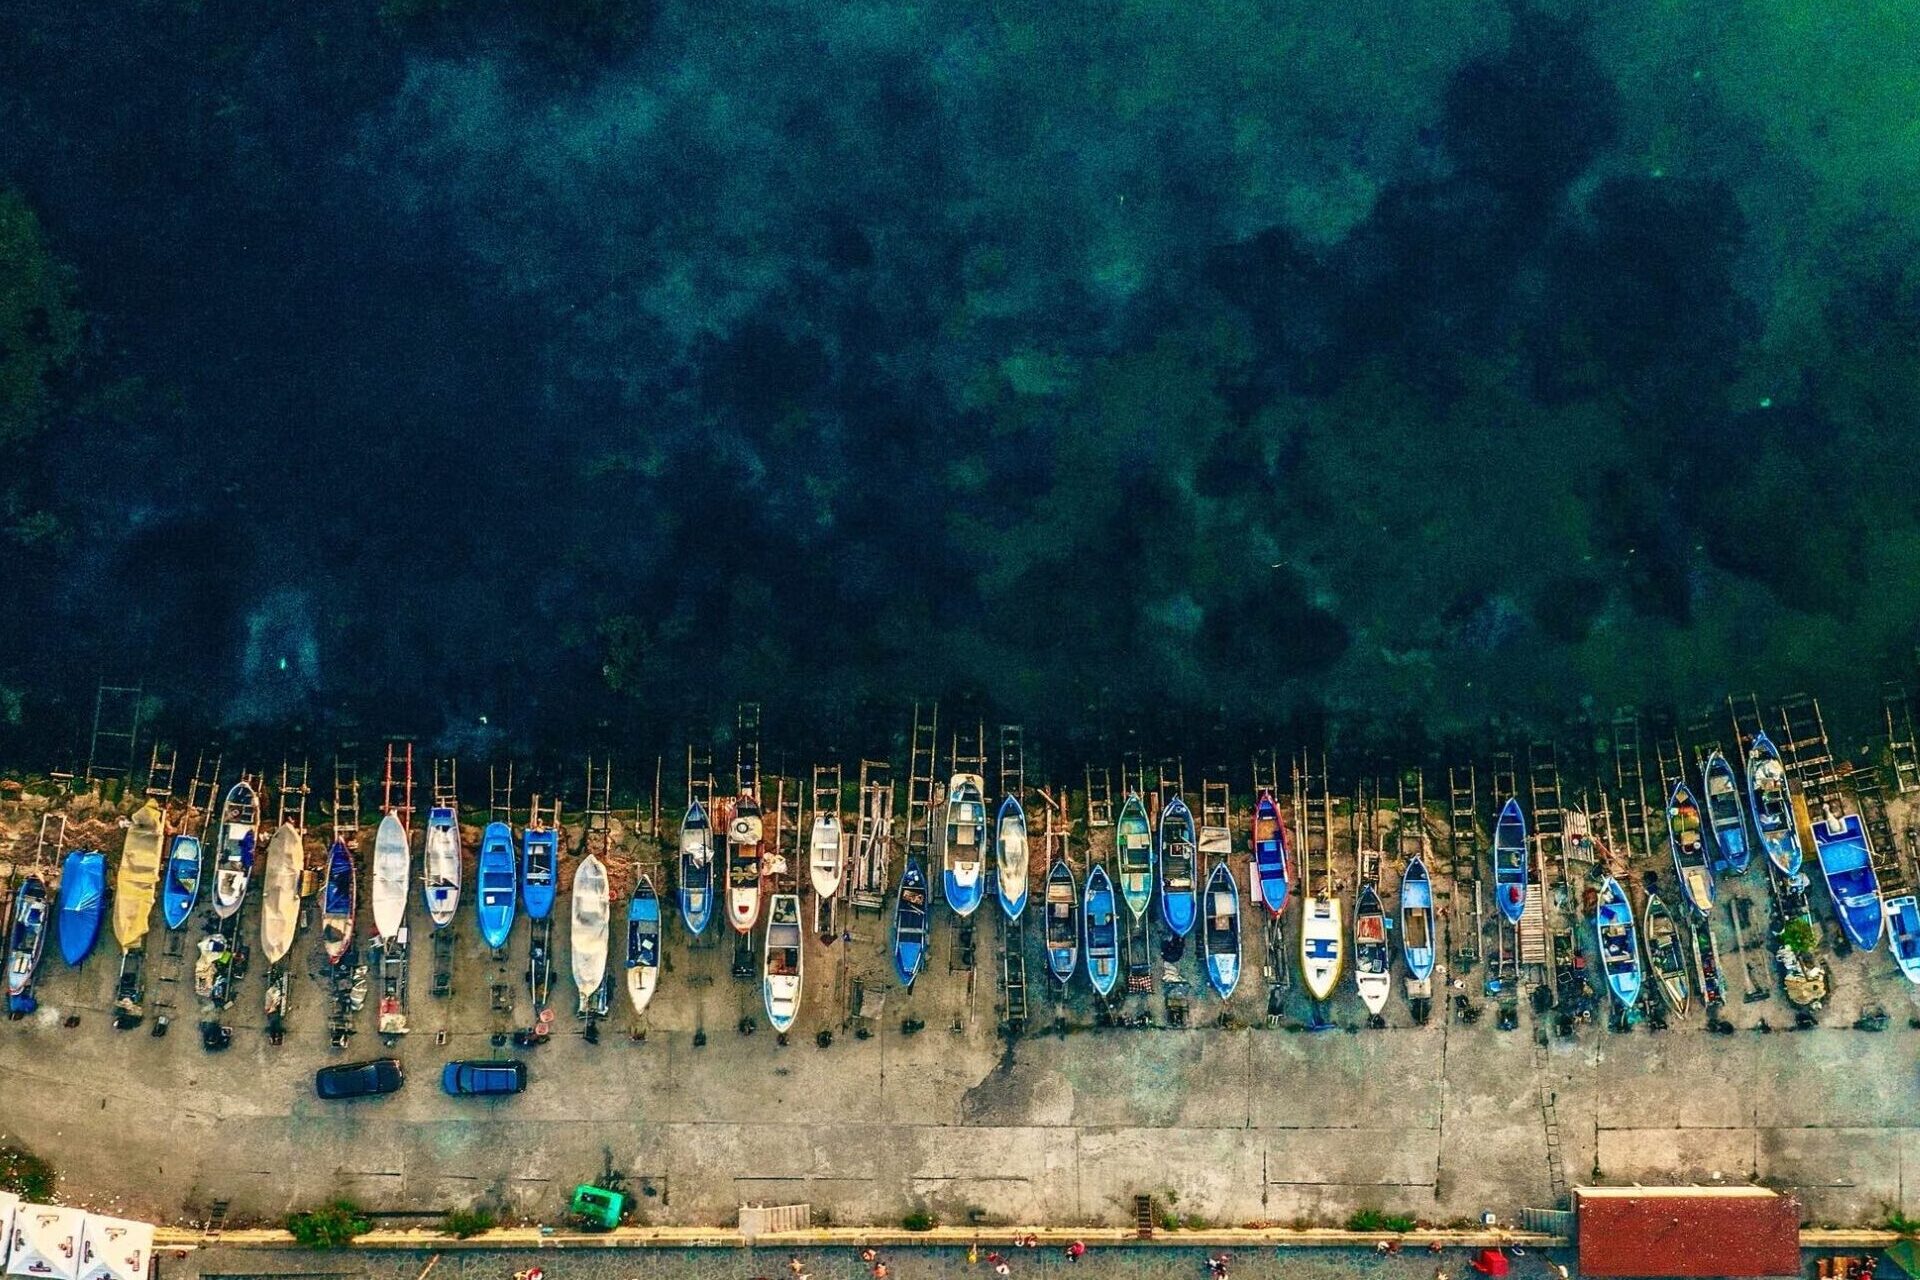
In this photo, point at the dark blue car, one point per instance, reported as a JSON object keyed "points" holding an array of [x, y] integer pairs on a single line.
{"points": [[461, 1078]]}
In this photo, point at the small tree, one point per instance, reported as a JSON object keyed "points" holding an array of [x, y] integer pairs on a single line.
{"points": [[1798, 934], [464, 1224], [330, 1226]]}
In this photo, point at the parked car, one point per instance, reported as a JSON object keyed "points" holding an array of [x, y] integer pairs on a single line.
{"points": [[460, 1078], [359, 1079]]}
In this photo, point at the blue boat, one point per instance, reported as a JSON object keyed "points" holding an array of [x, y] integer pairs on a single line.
{"points": [[1010, 857], [1688, 846], [963, 875], [1726, 817], [696, 869], [1416, 919], [1619, 943], [1063, 922], [1272, 877], [180, 888], [1903, 933], [1510, 861], [83, 904], [1101, 937], [1178, 894], [1772, 802], [910, 922], [499, 880], [1840, 843], [1220, 940], [337, 901], [643, 944], [26, 943], [540, 871], [1133, 847]]}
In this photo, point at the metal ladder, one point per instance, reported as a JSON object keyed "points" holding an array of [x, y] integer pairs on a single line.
{"points": [[1463, 865], [1903, 746], [746, 749], [116, 731], [873, 845], [1099, 797], [1630, 783]]}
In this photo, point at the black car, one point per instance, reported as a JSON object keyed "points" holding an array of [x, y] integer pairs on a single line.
{"points": [[359, 1079]]}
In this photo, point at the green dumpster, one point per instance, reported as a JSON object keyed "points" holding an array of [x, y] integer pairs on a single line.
{"points": [[598, 1207]]}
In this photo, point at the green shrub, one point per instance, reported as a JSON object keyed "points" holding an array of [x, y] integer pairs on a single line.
{"points": [[918, 1220], [463, 1224], [1398, 1222], [1899, 1222], [330, 1226], [26, 1175], [1367, 1220]]}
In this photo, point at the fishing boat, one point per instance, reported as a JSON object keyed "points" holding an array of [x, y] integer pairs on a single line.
{"points": [[783, 965], [443, 865], [1689, 848], [1840, 844], [1322, 946], [1010, 856], [233, 865], [1063, 922], [696, 869], [1903, 932], [1133, 848], [499, 884], [745, 834], [280, 893], [963, 856], [592, 915], [1416, 919], [826, 854], [1102, 933], [392, 868], [26, 942], [1510, 861], [1178, 896], [643, 943], [1619, 947], [181, 888], [83, 903], [1725, 816], [1372, 953], [1220, 939], [910, 921], [539, 870], [1666, 954], [1772, 802], [337, 901], [1272, 877], [138, 879]]}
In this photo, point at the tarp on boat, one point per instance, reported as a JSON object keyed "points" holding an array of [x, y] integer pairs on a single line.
{"points": [[115, 1249], [139, 877], [280, 893], [46, 1241]]}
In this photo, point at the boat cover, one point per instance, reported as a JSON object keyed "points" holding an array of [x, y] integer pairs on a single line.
{"points": [[138, 878], [589, 938], [392, 863], [280, 893]]}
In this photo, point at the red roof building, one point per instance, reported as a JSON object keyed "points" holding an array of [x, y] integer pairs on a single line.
{"points": [[1687, 1231]]}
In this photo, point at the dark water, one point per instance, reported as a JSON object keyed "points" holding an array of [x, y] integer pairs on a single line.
{"points": [[513, 375]]}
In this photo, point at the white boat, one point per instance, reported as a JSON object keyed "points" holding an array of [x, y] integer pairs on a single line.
{"points": [[643, 944], [443, 866], [826, 854], [392, 868], [139, 876], [233, 865], [784, 962], [1011, 856], [963, 853], [591, 911], [1321, 945], [280, 893], [745, 834], [1372, 956]]}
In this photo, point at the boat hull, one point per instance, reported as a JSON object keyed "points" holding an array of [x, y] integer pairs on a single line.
{"points": [[826, 855], [1322, 946], [910, 923], [1011, 857], [1846, 864], [1100, 936], [392, 867], [26, 941], [180, 889], [696, 870], [1666, 954], [233, 862], [588, 935], [1372, 954], [1770, 799], [1903, 933], [1063, 922], [138, 880], [83, 904], [783, 963], [963, 868], [280, 893], [1510, 862], [1725, 817], [539, 872], [1220, 940], [643, 944], [1272, 877], [1133, 853], [1619, 943], [442, 886], [337, 902], [1416, 920], [497, 901], [1687, 845], [1176, 856]]}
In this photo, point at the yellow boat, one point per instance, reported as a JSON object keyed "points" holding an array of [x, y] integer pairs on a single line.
{"points": [[139, 877]]}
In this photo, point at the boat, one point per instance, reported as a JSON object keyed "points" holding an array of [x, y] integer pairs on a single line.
{"points": [[499, 882], [1416, 919], [1133, 849], [745, 832], [1220, 938], [696, 869], [1510, 861], [1666, 953], [1011, 856], [783, 965], [1903, 932], [592, 915], [1063, 922], [1179, 901], [280, 893], [1101, 938], [443, 865], [1619, 946], [138, 879], [1772, 802], [337, 901], [181, 887], [826, 854], [233, 864], [643, 943], [1840, 844], [1725, 818], [1272, 877], [539, 871], [1321, 946], [1372, 953], [83, 903], [1689, 848], [26, 942], [392, 868], [963, 870], [910, 921]]}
